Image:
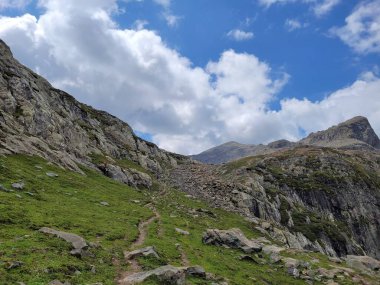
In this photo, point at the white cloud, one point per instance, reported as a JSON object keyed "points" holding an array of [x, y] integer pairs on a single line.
{"points": [[319, 7], [140, 24], [164, 3], [171, 19], [324, 7], [239, 35], [133, 74], [14, 4], [294, 24], [362, 29]]}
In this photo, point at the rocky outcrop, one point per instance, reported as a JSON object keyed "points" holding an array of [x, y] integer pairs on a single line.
{"points": [[167, 274], [146, 251], [38, 119], [131, 176], [319, 199], [78, 243], [364, 263], [233, 238]]}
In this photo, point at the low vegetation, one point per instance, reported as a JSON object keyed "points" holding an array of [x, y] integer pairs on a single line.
{"points": [[72, 202]]}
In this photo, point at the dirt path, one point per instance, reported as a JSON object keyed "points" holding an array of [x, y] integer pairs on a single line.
{"points": [[184, 260], [134, 266]]}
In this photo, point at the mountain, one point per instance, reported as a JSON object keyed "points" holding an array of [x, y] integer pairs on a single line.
{"points": [[354, 133], [38, 119], [232, 150], [83, 200]]}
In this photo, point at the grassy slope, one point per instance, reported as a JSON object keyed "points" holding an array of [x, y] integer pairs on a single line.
{"points": [[71, 202]]}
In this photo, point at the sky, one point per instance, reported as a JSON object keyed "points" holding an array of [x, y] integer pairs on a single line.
{"points": [[191, 74]]}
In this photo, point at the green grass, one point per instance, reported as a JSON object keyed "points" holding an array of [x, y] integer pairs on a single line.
{"points": [[71, 202]]}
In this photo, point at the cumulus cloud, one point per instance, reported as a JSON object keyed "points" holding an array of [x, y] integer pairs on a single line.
{"points": [[319, 7], [362, 29], [239, 35], [133, 74]]}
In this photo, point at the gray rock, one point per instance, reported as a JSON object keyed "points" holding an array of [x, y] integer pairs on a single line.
{"points": [[78, 243], [104, 203], [293, 271], [146, 251], [18, 185], [182, 232], [269, 249], [196, 271], [167, 274], [51, 174], [233, 238], [364, 263]]}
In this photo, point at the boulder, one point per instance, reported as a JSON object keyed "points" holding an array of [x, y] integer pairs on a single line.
{"points": [[182, 232], [18, 185], [146, 251], [78, 243], [233, 238], [195, 271], [364, 263], [166, 274]]}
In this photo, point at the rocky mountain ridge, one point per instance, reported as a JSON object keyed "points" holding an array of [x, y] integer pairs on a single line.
{"points": [[38, 119], [355, 133]]}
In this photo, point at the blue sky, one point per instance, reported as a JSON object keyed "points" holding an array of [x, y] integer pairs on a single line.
{"points": [[188, 75]]}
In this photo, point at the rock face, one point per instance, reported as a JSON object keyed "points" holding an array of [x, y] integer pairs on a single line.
{"points": [[319, 199], [233, 238], [355, 133], [37, 119]]}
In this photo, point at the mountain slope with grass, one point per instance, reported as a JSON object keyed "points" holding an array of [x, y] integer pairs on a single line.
{"points": [[83, 200], [107, 214]]}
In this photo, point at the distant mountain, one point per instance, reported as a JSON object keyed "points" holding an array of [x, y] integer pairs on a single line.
{"points": [[352, 134], [234, 150]]}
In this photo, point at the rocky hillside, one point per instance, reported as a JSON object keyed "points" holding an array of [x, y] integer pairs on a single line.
{"points": [[36, 118], [355, 133], [316, 198], [296, 215]]}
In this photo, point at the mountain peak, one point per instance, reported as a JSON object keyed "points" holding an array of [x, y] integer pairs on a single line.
{"points": [[353, 132]]}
